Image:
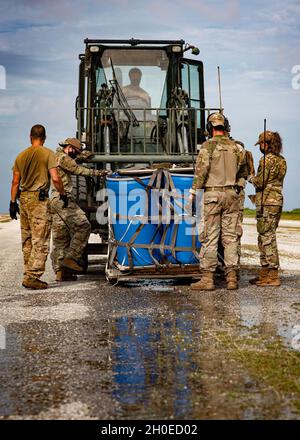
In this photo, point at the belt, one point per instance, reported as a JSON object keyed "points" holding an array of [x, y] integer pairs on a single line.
{"points": [[218, 188], [46, 192]]}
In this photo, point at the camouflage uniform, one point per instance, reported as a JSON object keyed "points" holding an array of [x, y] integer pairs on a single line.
{"points": [[268, 210], [71, 228], [33, 165], [242, 184], [35, 217], [220, 166], [248, 170]]}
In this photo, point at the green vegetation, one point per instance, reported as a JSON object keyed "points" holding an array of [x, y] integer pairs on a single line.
{"points": [[252, 369], [286, 215], [249, 212], [272, 365]]}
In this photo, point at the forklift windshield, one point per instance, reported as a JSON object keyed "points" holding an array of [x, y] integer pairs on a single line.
{"points": [[140, 73], [145, 100]]}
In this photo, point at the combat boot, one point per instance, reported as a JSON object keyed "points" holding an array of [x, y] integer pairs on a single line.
{"points": [[231, 279], [271, 279], [64, 275], [34, 284], [263, 272], [72, 265], [206, 282]]}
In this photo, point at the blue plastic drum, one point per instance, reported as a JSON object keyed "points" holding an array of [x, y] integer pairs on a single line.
{"points": [[128, 203], [185, 229]]}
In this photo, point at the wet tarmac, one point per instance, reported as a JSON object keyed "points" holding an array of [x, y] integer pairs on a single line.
{"points": [[153, 350]]}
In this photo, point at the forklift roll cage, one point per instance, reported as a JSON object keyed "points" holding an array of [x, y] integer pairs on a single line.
{"points": [[177, 127]]}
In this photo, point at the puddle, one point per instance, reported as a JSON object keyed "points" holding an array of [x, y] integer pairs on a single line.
{"points": [[139, 355], [152, 363]]}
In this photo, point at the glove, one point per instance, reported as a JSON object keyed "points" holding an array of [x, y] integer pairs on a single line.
{"points": [[190, 206], [13, 210], [64, 198], [101, 172]]}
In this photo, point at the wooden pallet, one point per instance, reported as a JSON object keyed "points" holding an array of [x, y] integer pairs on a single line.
{"points": [[152, 272]]}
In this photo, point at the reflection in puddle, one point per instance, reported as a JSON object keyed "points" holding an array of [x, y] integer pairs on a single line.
{"points": [[152, 363]]}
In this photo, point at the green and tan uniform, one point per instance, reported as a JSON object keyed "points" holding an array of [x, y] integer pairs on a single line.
{"points": [[246, 172], [241, 194], [33, 164], [268, 210], [71, 228], [219, 167]]}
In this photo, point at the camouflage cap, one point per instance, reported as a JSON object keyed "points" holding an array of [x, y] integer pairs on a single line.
{"points": [[73, 142], [216, 119], [261, 138]]}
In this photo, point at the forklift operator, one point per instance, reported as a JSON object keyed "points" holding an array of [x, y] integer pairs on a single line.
{"points": [[135, 95]]}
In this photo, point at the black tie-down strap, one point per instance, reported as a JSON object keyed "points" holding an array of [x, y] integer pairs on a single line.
{"points": [[161, 179]]}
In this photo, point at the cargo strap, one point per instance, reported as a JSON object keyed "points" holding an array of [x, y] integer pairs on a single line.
{"points": [[161, 179]]}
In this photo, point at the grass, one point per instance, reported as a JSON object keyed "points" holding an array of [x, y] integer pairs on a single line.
{"points": [[286, 215], [268, 362], [273, 364]]}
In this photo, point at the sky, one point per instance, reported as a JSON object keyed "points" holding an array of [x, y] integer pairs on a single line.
{"points": [[255, 43]]}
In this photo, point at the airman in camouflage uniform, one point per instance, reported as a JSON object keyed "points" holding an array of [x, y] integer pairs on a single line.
{"points": [[220, 165], [70, 226], [33, 170], [249, 170], [269, 201]]}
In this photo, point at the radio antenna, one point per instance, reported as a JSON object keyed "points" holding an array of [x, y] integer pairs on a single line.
{"points": [[220, 93]]}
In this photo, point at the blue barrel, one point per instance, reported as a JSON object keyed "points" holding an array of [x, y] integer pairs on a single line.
{"points": [[185, 229], [128, 200]]}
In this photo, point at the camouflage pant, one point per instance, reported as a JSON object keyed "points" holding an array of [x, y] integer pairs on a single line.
{"points": [[239, 231], [221, 212], [35, 219], [70, 231], [266, 228], [239, 227]]}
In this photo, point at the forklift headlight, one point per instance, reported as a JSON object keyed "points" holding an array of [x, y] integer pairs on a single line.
{"points": [[94, 48], [176, 49]]}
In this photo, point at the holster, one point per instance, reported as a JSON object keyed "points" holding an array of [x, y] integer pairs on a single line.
{"points": [[43, 195]]}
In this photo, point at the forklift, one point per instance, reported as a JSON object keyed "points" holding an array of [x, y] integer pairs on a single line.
{"points": [[140, 110]]}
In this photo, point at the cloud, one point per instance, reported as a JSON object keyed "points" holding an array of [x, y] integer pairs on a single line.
{"points": [[201, 10], [217, 11], [12, 105], [16, 64], [37, 10], [255, 43]]}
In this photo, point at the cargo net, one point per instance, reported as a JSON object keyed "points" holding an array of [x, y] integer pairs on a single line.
{"points": [[163, 234]]}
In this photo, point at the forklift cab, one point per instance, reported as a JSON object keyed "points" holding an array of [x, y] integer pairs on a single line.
{"points": [[140, 97]]}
